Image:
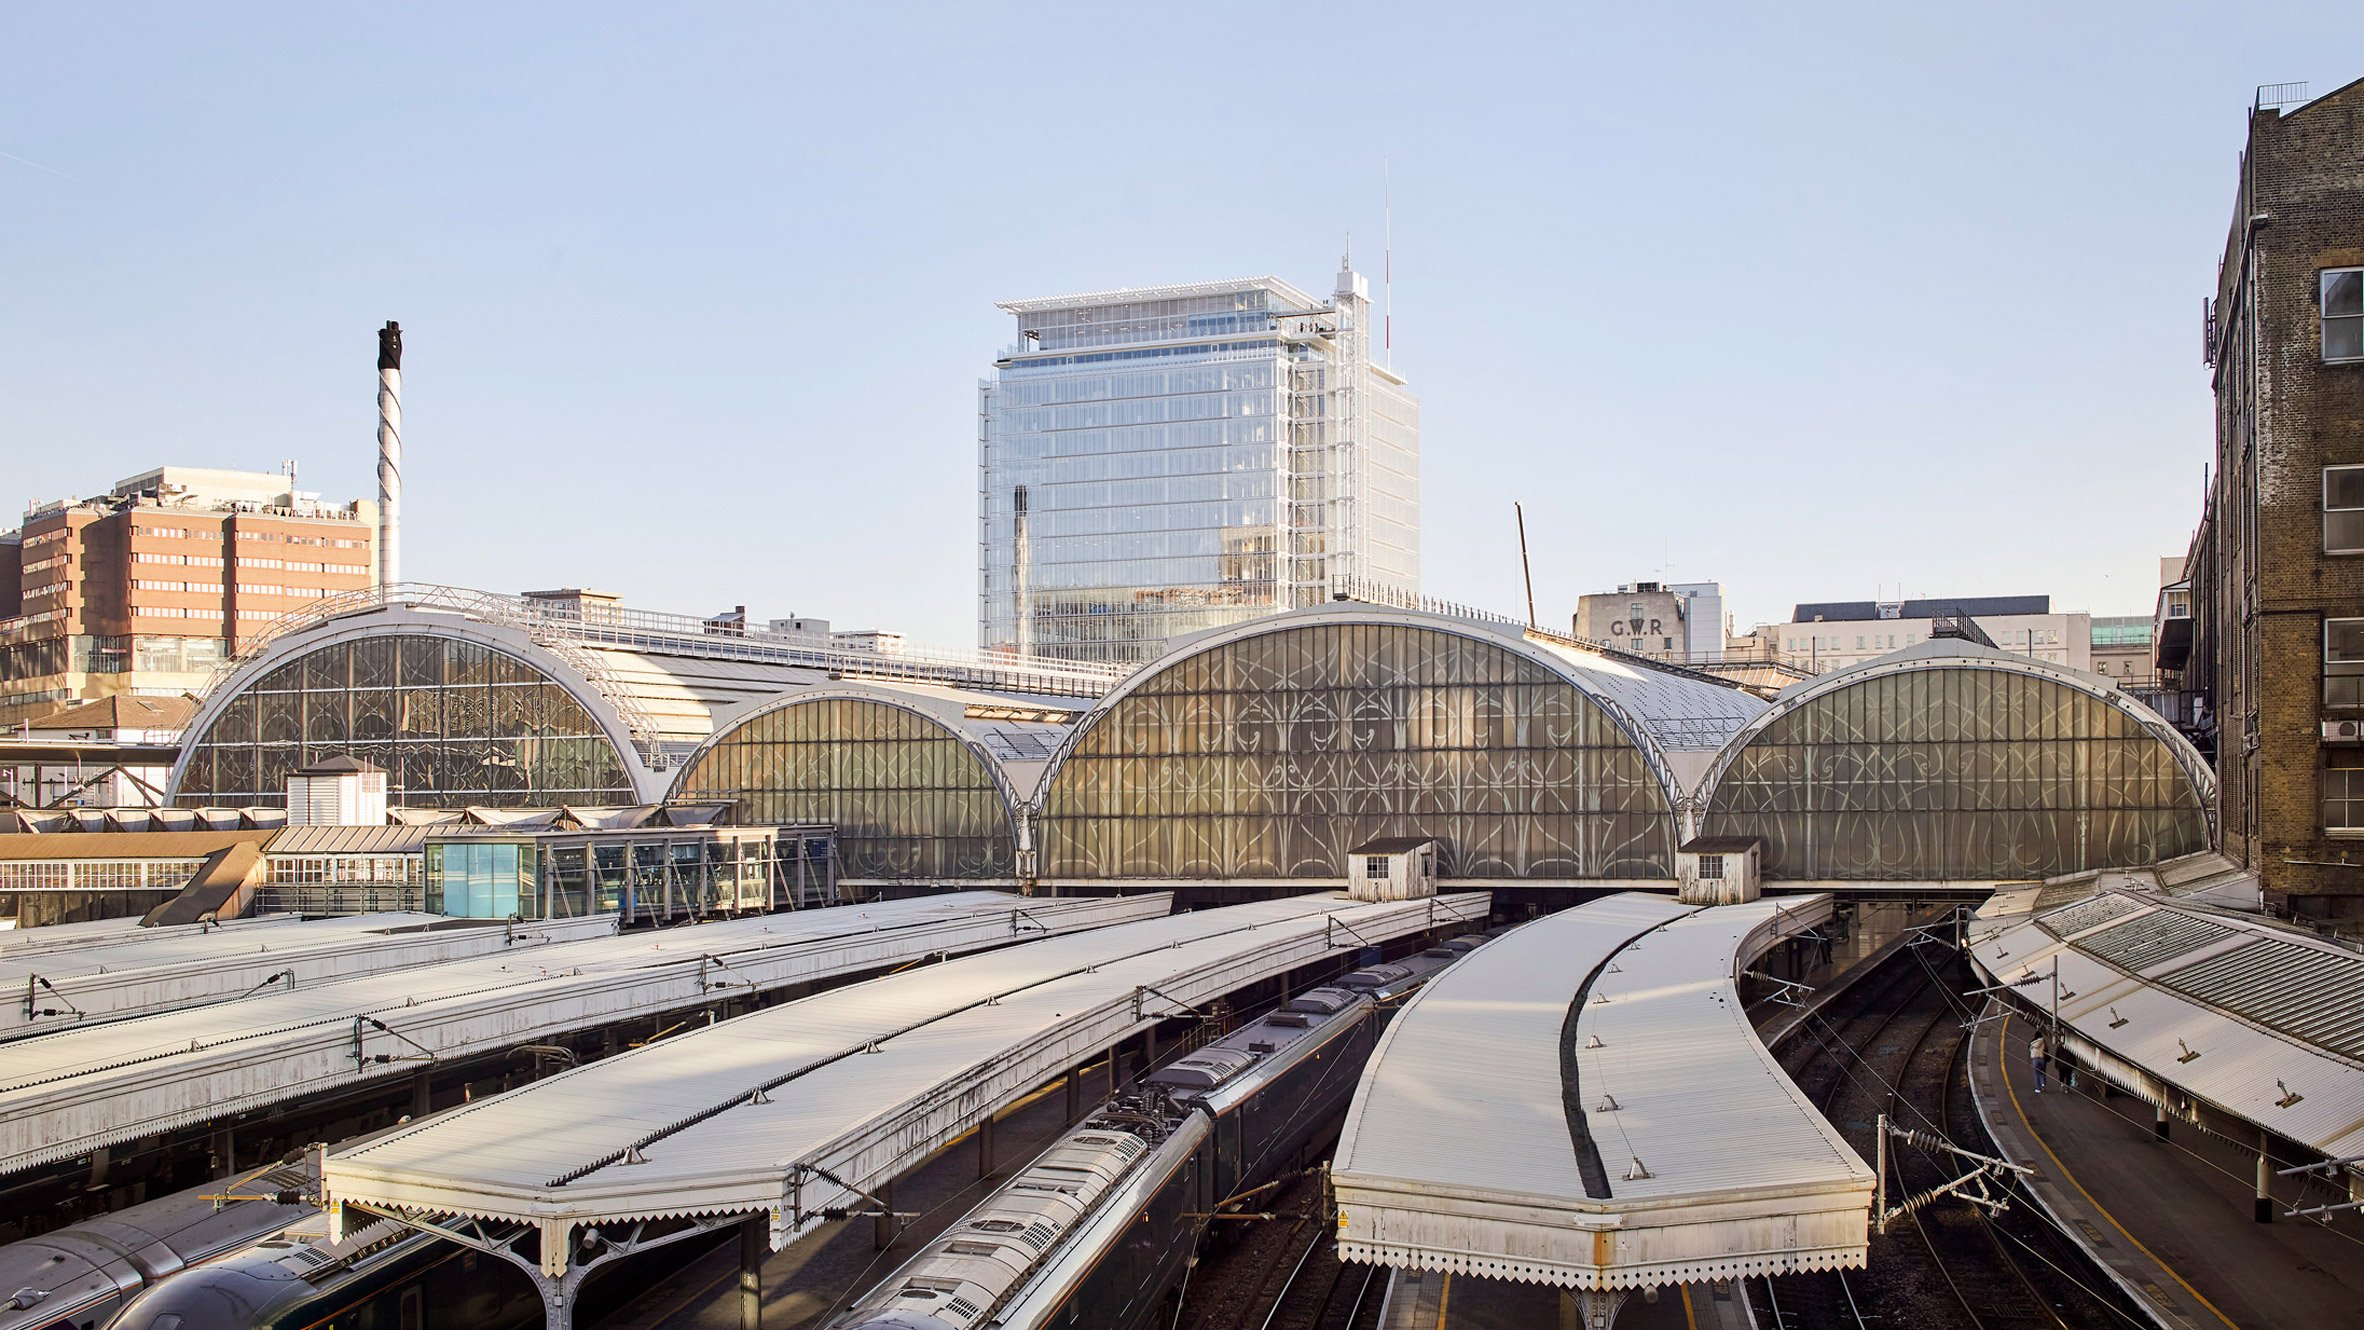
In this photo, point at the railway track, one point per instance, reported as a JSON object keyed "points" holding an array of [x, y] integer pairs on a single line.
{"points": [[1896, 1043], [1284, 1275]]}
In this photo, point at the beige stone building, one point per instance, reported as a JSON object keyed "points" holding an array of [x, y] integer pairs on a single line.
{"points": [[1644, 618]]}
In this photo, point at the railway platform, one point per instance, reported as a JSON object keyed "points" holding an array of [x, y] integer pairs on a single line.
{"points": [[2171, 1220], [1418, 1300]]}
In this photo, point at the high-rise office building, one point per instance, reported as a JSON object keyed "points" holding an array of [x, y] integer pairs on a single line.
{"points": [[1157, 462], [145, 589]]}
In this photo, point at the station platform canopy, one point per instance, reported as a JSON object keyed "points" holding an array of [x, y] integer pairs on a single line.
{"points": [[2194, 1008], [113, 974], [818, 1104], [1583, 1103], [65, 1094], [80, 934]]}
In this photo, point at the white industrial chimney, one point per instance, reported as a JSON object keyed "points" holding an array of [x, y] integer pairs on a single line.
{"points": [[389, 454]]}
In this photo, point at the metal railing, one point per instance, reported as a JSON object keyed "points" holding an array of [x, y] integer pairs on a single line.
{"points": [[338, 898], [1394, 597], [2275, 96]]}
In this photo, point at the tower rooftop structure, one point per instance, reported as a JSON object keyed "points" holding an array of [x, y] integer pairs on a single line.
{"points": [[1124, 295], [1161, 461]]}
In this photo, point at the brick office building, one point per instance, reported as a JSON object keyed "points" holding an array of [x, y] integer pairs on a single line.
{"points": [[146, 588], [2278, 565]]}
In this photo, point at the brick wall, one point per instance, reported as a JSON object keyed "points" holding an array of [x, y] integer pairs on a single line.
{"points": [[2305, 172]]}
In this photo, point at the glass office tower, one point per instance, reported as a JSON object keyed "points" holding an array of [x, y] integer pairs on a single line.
{"points": [[1157, 462]]}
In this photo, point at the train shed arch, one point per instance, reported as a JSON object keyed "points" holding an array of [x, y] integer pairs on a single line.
{"points": [[1266, 752], [923, 785], [1954, 761]]}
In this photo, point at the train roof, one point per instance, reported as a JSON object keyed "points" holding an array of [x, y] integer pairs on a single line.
{"points": [[962, 1277], [90, 1263], [1270, 1038]]}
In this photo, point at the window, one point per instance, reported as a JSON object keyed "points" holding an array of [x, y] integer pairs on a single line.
{"points": [[2343, 510], [1711, 868], [2343, 314], [2343, 662], [2343, 790], [1375, 866]]}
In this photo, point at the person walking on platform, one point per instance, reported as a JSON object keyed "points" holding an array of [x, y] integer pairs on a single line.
{"points": [[2036, 1050]]}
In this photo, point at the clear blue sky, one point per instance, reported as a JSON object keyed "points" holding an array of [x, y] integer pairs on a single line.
{"points": [[1818, 302]]}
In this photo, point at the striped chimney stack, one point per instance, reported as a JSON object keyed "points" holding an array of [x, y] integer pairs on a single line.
{"points": [[389, 454]]}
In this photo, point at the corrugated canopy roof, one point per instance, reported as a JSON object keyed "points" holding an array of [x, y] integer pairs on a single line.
{"points": [[2264, 1022], [350, 840]]}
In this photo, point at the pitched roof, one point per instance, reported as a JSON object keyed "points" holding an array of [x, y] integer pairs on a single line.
{"points": [[1393, 845], [339, 765], [1720, 844], [121, 712], [127, 844], [1857, 611]]}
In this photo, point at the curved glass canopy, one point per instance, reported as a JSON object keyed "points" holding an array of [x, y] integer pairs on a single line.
{"points": [[1273, 755], [451, 722], [1956, 772], [911, 800]]}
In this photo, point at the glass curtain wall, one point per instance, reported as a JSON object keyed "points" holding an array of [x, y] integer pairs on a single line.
{"points": [[1957, 773], [1130, 497], [451, 723], [910, 800], [1275, 755], [485, 880]]}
